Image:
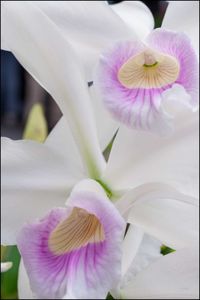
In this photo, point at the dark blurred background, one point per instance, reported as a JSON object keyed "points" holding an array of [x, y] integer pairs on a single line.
{"points": [[19, 91]]}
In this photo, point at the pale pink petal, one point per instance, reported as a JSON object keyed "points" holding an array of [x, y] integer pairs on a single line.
{"points": [[183, 16], [179, 46]]}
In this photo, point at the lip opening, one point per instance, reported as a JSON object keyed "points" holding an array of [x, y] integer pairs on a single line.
{"points": [[149, 70], [77, 230]]}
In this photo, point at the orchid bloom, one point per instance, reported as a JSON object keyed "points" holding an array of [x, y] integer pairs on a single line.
{"points": [[74, 251]]}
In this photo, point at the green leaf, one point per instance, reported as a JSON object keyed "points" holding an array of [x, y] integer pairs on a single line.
{"points": [[109, 296], [166, 250], [9, 278]]}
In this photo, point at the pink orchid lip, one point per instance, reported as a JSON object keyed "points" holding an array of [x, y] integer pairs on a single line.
{"points": [[133, 77], [75, 246]]}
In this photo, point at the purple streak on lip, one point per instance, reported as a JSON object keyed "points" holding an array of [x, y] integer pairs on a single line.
{"points": [[52, 276], [45, 263]]}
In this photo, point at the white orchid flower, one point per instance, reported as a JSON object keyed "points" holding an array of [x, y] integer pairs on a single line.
{"points": [[142, 82], [76, 251]]}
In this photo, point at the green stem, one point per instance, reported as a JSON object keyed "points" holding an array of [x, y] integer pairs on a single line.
{"points": [[106, 188]]}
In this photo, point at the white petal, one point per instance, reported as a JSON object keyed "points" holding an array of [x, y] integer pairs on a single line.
{"points": [[176, 101], [81, 23], [24, 289], [169, 216], [106, 125], [44, 52], [147, 252], [5, 266], [140, 157], [139, 250], [62, 142], [183, 16], [130, 246], [136, 15], [34, 179], [174, 276], [127, 198]]}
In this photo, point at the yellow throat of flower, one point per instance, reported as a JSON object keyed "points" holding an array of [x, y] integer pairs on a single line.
{"points": [[149, 69], [79, 229]]}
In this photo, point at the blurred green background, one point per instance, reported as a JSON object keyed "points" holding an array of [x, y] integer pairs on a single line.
{"points": [[9, 278]]}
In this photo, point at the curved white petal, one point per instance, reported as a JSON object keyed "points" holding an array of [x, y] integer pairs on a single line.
{"points": [[173, 276], [140, 157], [127, 198], [5, 266], [24, 289], [184, 16], [62, 142], [136, 15], [131, 244], [45, 52], [169, 216], [106, 125], [81, 23], [139, 250], [147, 252], [35, 178]]}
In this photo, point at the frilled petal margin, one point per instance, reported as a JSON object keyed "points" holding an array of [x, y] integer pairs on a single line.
{"points": [[75, 251]]}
